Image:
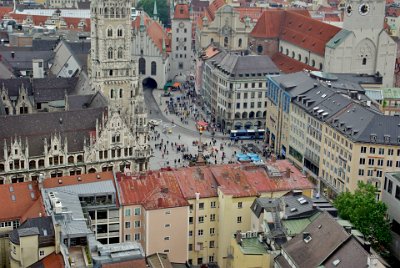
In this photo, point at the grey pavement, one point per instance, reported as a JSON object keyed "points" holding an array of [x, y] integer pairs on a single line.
{"points": [[174, 135]]}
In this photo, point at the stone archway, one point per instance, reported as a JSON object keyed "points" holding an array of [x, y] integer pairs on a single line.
{"points": [[149, 83]]}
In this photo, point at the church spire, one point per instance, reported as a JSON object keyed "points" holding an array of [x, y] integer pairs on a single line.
{"points": [[155, 13]]}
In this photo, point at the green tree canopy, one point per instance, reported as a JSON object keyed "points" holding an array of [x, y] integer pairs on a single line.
{"points": [[366, 213], [162, 9]]}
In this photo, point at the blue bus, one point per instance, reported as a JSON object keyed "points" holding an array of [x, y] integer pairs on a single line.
{"points": [[247, 134]]}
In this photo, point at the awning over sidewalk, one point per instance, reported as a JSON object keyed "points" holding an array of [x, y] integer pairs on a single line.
{"points": [[168, 85]]}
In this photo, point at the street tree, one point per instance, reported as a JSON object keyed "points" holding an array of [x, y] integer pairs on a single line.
{"points": [[366, 213], [162, 9]]}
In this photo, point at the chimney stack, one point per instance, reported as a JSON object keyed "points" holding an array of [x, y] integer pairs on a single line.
{"points": [[12, 54], [348, 229], [287, 173], [305, 235], [367, 246]]}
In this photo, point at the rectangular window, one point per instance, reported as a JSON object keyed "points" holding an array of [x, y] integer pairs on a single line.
{"points": [[363, 149], [380, 162], [127, 212], [201, 206], [212, 204], [137, 211], [362, 161], [381, 151], [190, 248], [370, 172], [201, 219], [390, 151], [137, 236], [239, 219], [212, 231], [390, 187], [397, 194], [379, 173], [372, 150], [190, 220], [361, 172], [238, 96], [190, 233], [41, 253], [238, 105], [167, 225], [137, 224], [212, 244], [389, 163], [240, 204], [128, 237], [166, 238], [200, 232], [127, 225], [212, 217], [397, 163], [371, 162]]}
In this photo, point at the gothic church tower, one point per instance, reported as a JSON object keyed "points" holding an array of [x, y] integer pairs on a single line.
{"points": [[112, 68], [113, 71]]}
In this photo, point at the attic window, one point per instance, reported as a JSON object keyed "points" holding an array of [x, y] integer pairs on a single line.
{"points": [[373, 138], [307, 239], [336, 262], [387, 138]]}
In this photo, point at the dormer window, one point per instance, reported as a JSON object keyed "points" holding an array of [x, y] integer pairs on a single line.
{"points": [[387, 138], [373, 138]]}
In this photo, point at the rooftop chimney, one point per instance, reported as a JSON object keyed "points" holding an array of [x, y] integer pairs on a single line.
{"points": [[348, 229], [287, 173], [305, 235], [367, 246], [12, 54]]}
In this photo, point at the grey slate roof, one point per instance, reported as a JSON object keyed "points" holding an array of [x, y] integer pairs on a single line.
{"points": [[76, 102], [326, 235], [239, 66], [53, 88], [361, 124], [42, 226], [357, 258], [73, 125], [338, 38], [23, 59], [13, 85]]}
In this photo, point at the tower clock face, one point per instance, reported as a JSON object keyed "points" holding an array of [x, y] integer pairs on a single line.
{"points": [[363, 9], [349, 10]]}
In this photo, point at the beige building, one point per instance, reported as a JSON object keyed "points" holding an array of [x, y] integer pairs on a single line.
{"points": [[345, 137], [249, 252], [222, 26], [31, 242]]}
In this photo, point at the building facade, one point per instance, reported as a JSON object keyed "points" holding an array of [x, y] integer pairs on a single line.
{"points": [[233, 89], [181, 65]]}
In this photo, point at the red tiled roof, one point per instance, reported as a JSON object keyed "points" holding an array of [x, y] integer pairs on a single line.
{"points": [[393, 11], [53, 260], [5, 10], [252, 12], [293, 27], [26, 204], [194, 180], [73, 180], [139, 263], [212, 8], [154, 30], [154, 190], [37, 19], [307, 33], [182, 12], [270, 23], [288, 65]]}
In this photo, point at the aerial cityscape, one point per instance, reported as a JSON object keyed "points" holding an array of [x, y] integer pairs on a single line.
{"points": [[199, 133]]}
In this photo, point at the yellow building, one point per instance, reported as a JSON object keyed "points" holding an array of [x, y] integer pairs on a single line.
{"points": [[31, 242], [249, 253]]}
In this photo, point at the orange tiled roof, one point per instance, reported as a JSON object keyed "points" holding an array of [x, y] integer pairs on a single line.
{"points": [[73, 180], [154, 30], [295, 28], [307, 33], [289, 65], [53, 260], [5, 10], [182, 12], [154, 190], [20, 201]]}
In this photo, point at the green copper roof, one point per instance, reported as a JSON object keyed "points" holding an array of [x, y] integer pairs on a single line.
{"points": [[294, 227], [338, 38], [251, 246]]}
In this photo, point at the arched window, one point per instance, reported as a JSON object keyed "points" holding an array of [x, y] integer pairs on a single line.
{"points": [[119, 54], [212, 41], [306, 60], [313, 63], [120, 92], [111, 12], [260, 49], [240, 42], [364, 61], [119, 32], [142, 66], [112, 93], [153, 68], [281, 49], [226, 41], [293, 54], [299, 57], [287, 51], [320, 66], [110, 53], [109, 32]]}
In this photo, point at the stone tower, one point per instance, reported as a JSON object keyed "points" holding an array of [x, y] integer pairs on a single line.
{"points": [[362, 46], [112, 69]]}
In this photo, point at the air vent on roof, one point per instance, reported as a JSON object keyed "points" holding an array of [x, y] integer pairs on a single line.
{"points": [[306, 237], [323, 95], [32, 195], [336, 262], [11, 189], [30, 186], [13, 197], [60, 181], [293, 209], [302, 200]]}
